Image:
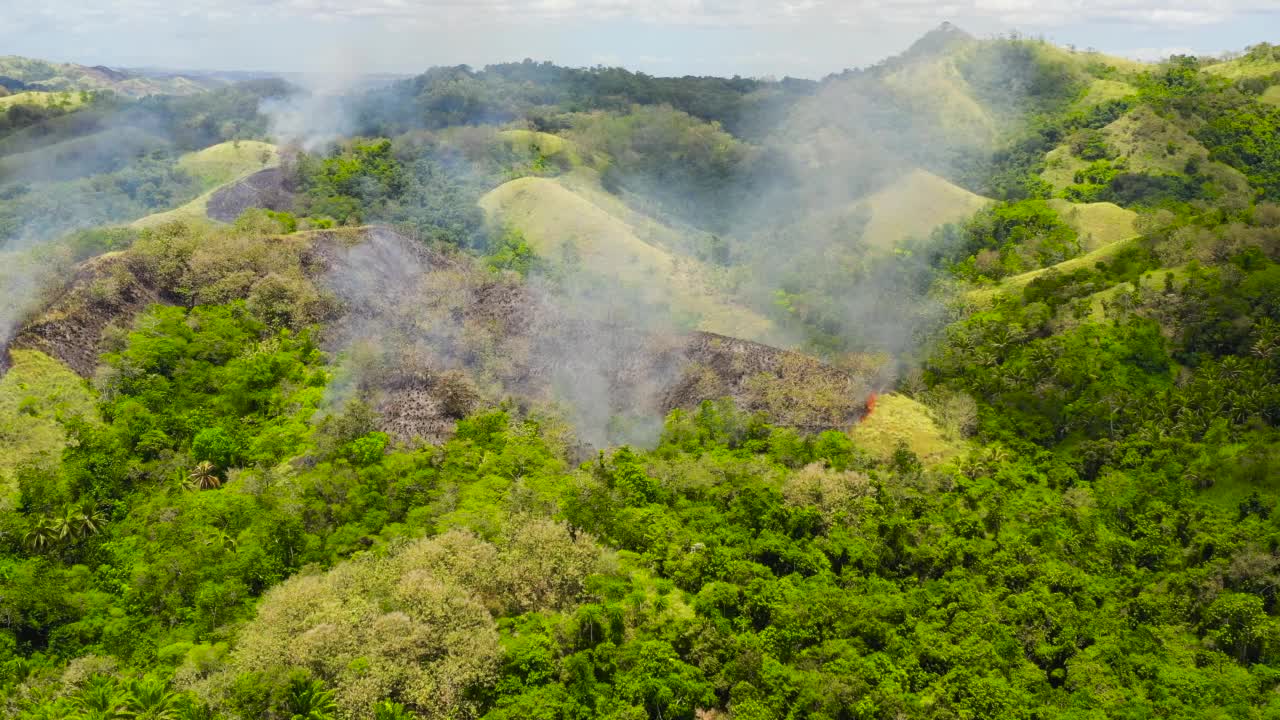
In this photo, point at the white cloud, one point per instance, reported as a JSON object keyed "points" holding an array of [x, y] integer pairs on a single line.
{"points": [[1156, 13]]}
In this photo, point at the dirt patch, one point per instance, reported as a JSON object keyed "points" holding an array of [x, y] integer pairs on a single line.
{"points": [[263, 189]]}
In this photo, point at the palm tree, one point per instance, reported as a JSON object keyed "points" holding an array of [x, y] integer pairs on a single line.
{"points": [[68, 522], [202, 477], [308, 700], [151, 699], [102, 699], [77, 521], [91, 520], [40, 535]]}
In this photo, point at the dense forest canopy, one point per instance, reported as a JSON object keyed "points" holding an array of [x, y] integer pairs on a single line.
{"points": [[308, 426]]}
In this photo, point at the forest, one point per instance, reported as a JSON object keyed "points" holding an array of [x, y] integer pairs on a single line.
{"points": [[1044, 486]]}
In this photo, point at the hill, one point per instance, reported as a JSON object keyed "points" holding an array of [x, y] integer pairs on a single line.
{"points": [[26, 74], [476, 444], [1259, 61], [220, 169], [39, 98], [37, 394], [913, 206], [573, 219]]}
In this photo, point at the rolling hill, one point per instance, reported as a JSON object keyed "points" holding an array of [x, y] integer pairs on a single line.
{"points": [[572, 220], [25, 74], [217, 167]]}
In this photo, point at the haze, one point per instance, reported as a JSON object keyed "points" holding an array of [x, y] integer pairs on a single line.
{"points": [[802, 38]]}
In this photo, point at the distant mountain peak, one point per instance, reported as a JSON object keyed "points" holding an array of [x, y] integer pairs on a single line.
{"points": [[939, 40]]}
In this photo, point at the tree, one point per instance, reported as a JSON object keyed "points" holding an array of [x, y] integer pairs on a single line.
{"points": [[307, 699], [202, 477], [40, 535], [151, 699]]}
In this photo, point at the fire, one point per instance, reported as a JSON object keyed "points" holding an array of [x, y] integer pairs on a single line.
{"points": [[871, 403]]}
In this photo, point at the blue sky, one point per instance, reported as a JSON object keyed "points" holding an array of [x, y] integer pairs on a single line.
{"points": [[806, 38]]}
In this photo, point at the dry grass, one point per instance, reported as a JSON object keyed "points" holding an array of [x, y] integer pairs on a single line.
{"points": [[1242, 68], [898, 418], [229, 161], [1098, 224], [915, 205], [33, 394], [1272, 95], [42, 99], [567, 218], [1101, 91]]}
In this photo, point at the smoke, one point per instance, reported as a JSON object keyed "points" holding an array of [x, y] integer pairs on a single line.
{"points": [[800, 214], [570, 343], [311, 118], [54, 187]]}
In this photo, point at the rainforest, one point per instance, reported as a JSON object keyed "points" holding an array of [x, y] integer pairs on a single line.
{"points": [[947, 387]]}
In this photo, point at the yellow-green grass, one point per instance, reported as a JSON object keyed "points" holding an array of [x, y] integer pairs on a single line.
{"points": [[1147, 142], [216, 166], [1272, 95], [229, 161], [1242, 68], [545, 144], [558, 220], [1016, 283], [196, 210], [1084, 59], [1098, 224], [1153, 280], [899, 419], [1060, 167], [35, 392], [938, 88], [913, 206], [42, 99], [1101, 91]]}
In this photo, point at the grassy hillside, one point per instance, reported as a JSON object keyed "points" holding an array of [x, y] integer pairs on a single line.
{"points": [[1098, 224], [42, 75], [1248, 66], [216, 167], [1143, 142], [1103, 90], [573, 218], [544, 146], [42, 99], [35, 394], [899, 419], [228, 161], [913, 206]]}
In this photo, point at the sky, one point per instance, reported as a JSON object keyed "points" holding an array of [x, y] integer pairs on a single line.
{"points": [[801, 38]]}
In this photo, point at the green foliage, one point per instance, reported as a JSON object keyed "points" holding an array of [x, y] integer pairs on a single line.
{"points": [[224, 538], [512, 252], [1006, 239]]}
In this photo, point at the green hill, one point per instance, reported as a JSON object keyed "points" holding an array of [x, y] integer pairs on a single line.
{"points": [[1099, 224], [35, 394], [45, 76], [41, 98], [216, 167], [573, 218]]}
